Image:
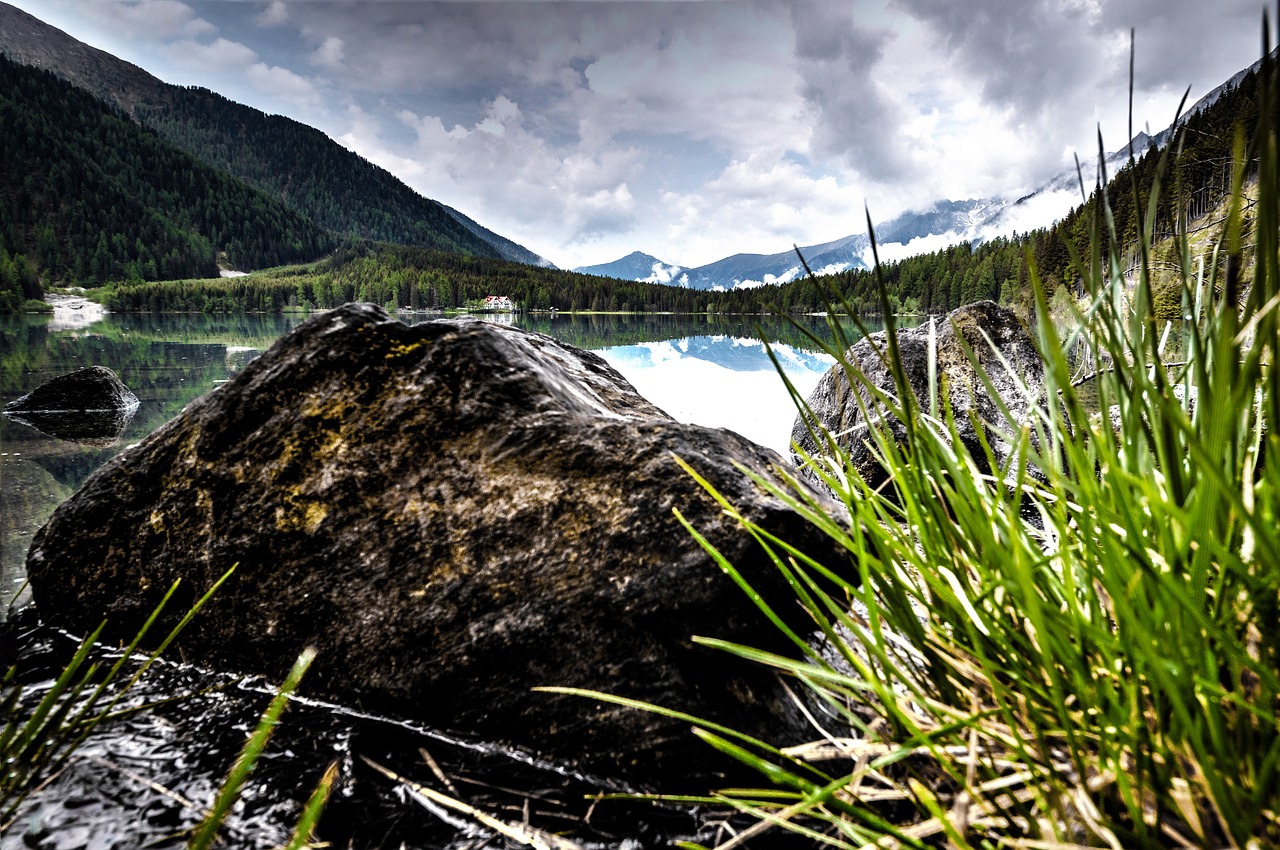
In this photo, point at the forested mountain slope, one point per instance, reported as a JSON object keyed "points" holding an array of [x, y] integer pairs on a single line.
{"points": [[87, 195], [299, 165]]}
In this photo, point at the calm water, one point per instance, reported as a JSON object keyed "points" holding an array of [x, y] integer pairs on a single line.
{"points": [[708, 371]]}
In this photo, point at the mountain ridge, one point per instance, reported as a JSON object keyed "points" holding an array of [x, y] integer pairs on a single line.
{"points": [[746, 270], [89, 195], [348, 195]]}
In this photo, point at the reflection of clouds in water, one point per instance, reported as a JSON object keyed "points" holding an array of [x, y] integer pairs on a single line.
{"points": [[663, 352], [696, 388], [740, 354]]}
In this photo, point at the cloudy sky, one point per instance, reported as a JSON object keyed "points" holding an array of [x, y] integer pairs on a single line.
{"points": [[692, 129]]}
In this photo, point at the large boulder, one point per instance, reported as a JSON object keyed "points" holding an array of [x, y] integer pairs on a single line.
{"points": [[1012, 366], [452, 513]]}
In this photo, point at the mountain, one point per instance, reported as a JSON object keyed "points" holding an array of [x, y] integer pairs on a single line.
{"points": [[743, 271], [299, 165], [304, 168], [28, 40], [87, 195], [637, 266], [1063, 193], [507, 250]]}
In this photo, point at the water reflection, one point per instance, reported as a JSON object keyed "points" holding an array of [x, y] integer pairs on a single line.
{"points": [[722, 382], [100, 428]]}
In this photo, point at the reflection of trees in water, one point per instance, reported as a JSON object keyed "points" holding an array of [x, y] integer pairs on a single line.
{"points": [[166, 360], [30, 492]]}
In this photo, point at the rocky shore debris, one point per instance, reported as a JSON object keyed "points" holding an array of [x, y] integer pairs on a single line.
{"points": [[453, 513]]}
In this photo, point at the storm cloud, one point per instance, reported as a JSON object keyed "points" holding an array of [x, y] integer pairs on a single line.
{"points": [[691, 129]]}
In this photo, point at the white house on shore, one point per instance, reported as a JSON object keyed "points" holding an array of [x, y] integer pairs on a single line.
{"points": [[499, 303]]}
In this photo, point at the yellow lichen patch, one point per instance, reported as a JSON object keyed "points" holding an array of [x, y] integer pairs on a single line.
{"points": [[326, 406], [304, 449], [301, 514], [157, 521], [405, 349]]}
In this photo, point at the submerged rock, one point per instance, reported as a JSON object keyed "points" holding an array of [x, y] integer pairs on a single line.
{"points": [[836, 410], [453, 513]]}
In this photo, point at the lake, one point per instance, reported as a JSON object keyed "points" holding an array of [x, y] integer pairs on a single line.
{"points": [[706, 370]]}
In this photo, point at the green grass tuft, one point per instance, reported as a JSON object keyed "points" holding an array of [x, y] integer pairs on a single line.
{"points": [[1086, 656]]}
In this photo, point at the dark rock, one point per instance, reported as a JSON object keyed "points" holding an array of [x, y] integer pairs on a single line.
{"points": [[453, 513], [836, 410], [90, 406], [93, 388]]}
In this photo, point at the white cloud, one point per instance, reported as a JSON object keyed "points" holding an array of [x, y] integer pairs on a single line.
{"points": [[661, 273], [559, 192], [218, 55], [152, 20], [276, 14], [231, 57], [767, 202], [283, 84], [329, 54]]}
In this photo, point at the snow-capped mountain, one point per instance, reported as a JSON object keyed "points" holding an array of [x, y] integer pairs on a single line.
{"points": [[849, 252], [943, 224], [637, 266], [747, 270]]}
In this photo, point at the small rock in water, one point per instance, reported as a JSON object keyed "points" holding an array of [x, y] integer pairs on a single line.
{"points": [[91, 406], [94, 388]]}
